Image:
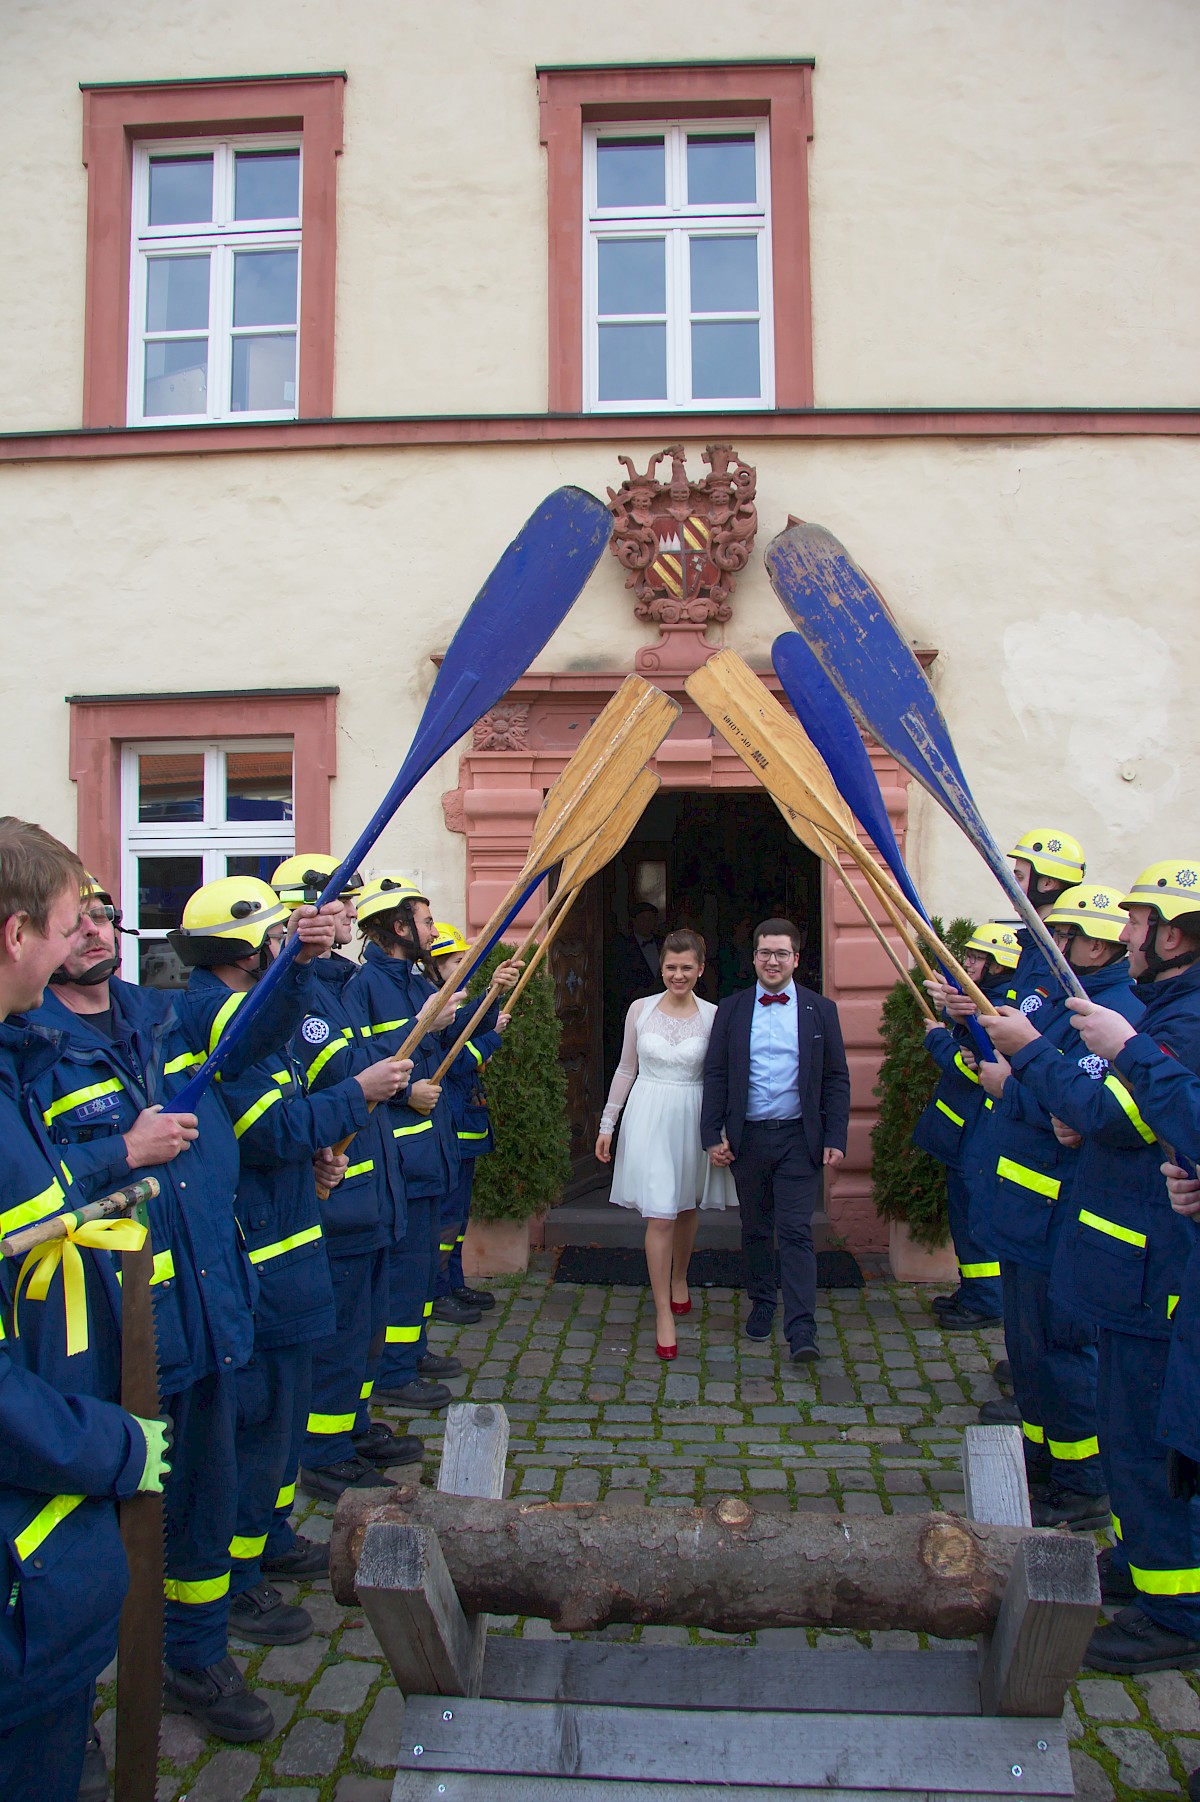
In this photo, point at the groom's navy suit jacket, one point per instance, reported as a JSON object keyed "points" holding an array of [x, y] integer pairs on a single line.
{"points": [[824, 1080]]}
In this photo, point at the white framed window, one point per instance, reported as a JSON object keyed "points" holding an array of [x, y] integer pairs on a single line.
{"points": [[215, 280], [677, 273], [193, 810]]}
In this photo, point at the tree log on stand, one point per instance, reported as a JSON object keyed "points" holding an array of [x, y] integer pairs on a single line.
{"points": [[581, 1565]]}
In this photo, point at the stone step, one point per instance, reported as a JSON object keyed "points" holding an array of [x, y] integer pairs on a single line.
{"points": [[591, 1219]]}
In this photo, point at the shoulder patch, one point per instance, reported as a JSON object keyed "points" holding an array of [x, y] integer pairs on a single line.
{"points": [[1095, 1066], [314, 1031], [1031, 1004]]}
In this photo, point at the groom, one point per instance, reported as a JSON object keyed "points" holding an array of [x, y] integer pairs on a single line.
{"points": [[776, 1107]]}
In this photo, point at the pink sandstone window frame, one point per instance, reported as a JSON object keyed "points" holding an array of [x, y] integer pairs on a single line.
{"points": [[780, 92], [115, 117]]}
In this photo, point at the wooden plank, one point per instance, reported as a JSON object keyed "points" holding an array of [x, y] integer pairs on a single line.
{"points": [[1049, 1610], [993, 1462], [539, 1670], [407, 1595], [459, 1786], [474, 1450], [975, 1755]]}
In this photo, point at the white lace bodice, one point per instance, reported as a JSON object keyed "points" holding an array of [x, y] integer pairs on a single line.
{"points": [[658, 1047]]}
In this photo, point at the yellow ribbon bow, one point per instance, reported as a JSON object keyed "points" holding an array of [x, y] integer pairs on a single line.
{"points": [[44, 1260]]}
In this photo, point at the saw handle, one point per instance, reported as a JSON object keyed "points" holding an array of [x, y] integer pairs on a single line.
{"points": [[121, 1201]]}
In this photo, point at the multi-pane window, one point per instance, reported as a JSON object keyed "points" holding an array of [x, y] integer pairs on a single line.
{"points": [[215, 281], [193, 811], [678, 266]]}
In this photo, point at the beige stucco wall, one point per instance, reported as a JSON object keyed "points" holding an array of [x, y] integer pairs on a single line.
{"points": [[1004, 201], [1058, 578]]}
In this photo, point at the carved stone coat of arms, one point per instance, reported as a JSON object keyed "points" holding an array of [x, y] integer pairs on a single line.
{"points": [[682, 542]]}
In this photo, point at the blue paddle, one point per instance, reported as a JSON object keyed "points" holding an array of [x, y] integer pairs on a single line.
{"points": [[827, 720], [524, 600], [843, 620]]}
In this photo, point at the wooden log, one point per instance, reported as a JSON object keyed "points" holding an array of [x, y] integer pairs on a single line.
{"points": [[581, 1565], [407, 1596]]}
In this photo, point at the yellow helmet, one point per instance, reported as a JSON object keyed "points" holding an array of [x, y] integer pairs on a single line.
{"points": [[226, 920], [996, 940], [382, 893], [92, 889], [302, 877], [447, 940], [1052, 853], [1094, 910], [1172, 886]]}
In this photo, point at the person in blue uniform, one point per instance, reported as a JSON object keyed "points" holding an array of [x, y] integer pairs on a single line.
{"points": [[948, 1123], [68, 1450], [1120, 1260], [127, 1050]]}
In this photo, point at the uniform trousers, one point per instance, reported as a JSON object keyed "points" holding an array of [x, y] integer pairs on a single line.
{"points": [[456, 1210], [778, 1187], [1053, 1358], [341, 1379], [200, 1503], [1158, 1533], [979, 1290], [272, 1401], [42, 1759], [412, 1275]]}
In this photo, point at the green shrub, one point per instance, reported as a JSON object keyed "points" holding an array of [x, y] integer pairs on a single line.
{"points": [[909, 1184], [527, 1098]]}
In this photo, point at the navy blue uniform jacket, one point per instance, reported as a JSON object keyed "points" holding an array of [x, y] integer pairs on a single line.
{"points": [[824, 1079]]}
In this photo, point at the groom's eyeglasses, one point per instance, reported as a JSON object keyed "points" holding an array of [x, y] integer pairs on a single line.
{"points": [[775, 957]]}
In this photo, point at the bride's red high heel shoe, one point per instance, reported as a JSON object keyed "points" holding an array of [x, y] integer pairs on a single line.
{"points": [[666, 1352], [682, 1307]]}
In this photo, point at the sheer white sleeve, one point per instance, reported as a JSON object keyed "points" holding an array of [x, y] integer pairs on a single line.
{"points": [[626, 1070]]}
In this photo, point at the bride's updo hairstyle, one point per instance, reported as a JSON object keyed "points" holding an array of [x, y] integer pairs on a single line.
{"points": [[677, 943]]}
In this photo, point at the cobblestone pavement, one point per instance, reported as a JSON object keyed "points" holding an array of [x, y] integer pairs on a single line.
{"points": [[874, 1428]]}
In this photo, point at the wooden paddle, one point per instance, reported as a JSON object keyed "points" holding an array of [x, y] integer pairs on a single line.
{"points": [[779, 752], [555, 928], [578, 867]]}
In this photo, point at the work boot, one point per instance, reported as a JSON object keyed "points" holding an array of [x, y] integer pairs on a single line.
{"points": [[307, 1558], [941, 1302], [379, 1445], [431, 1365], [452, 1311], [332, 1479], [475, 1298], [1116, 1584], [261, 1614], [1061, 1507], [1132, 1643], [417, 1394], [219, 1699], [93, 1781], [964, 1320], [1001, 1411], [1002, 1373]]}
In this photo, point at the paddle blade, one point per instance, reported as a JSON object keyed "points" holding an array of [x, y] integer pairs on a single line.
{"points": [[581, 865]]}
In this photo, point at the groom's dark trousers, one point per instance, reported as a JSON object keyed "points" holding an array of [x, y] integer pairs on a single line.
{"points": [[778, 1188]]}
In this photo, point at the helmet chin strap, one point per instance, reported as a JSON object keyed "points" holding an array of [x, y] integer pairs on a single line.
{"points": [[94, 977], [1157, 966], [1044, 889]]}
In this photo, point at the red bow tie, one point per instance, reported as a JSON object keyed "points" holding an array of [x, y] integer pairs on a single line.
{"points": [[767, 1000]]}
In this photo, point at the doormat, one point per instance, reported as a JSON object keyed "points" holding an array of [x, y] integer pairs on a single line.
{"points": [[604, 1267]]}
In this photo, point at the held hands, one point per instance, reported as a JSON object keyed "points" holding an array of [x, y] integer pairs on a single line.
{"points": [[1009, 1030], [1101, 1030], [993, 1076], [502, 1021], [720, 1155], [156, 1138], [439, 1003], [1066, 1135], [1183, 1189], [329, 1167], [604, 1148], [949, 1001], [159, 1435], [423, 1096], [314, 930], [380, 1081], [507, 975]]}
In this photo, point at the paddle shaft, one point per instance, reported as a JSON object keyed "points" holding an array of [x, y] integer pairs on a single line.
{"points": [[494, 992], [543, 948]]}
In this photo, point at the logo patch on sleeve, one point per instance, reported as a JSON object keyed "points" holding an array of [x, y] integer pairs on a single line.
{"points": [[314, 1031]]}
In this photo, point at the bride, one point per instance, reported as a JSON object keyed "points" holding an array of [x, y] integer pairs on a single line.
{"points": [[660, 1166]]}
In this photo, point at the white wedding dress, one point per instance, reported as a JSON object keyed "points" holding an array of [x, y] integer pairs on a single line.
{"points": [[660, 1167]]}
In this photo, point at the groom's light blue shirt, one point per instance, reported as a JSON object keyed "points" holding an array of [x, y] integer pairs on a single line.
{"points": [[774, 1060]]}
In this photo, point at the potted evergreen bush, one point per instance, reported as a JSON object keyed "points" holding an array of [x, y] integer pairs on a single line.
{"points": [[527, 1097], [909, 1185]]}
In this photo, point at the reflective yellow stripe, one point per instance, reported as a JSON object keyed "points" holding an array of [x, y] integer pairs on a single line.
{"points": [[43, 1524], [979, 1269], [164, 1268], [224, 1014], [1128, 1106], [196, 1594], [949, 1113], [1111, 1228], [1116, 1524], [241, 1547], [326, 1052], [282, 1077], [286, 1496], [403, 1132], [427, 1311], [1165, 1582], [77, 1097], [987, 1102], [1048, 1186], [1172, 1304], [1073, 1449], [36, 1208], [266, 1252], [402, 1335], [330, 1423], [1035, 1435], [483, 1134], [256, 1112], [444, 1247], [361, 1169], [385, 1026], [189, 1060], [364, 1394], [963, 1068], [476, 1053]]}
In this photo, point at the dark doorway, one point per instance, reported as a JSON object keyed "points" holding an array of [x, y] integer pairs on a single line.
{"points": [[718, 861]]}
